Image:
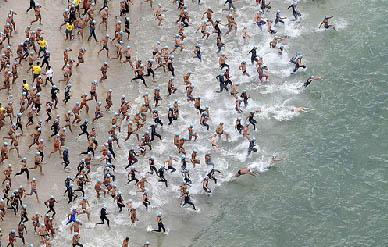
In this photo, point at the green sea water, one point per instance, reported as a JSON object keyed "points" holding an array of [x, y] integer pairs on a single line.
{"points": [[332, 189]]}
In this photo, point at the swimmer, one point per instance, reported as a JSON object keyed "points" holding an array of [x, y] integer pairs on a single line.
{"points": [[246, 35], [295, 12], [274, 160], [300, 109], [243, 68], [259, 20], [252, 146], [245, 171], [159, 223], [297, 60], [279, 18], [326, 24], [186, 200], [205, 185], [311, 79]]}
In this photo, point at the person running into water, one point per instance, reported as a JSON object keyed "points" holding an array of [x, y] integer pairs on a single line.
{"points": [[159, 223], [103, 217]]}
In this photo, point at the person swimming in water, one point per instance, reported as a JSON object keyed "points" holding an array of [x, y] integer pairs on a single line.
{"points": [[326, 24], [245, 171], [311, 79]]}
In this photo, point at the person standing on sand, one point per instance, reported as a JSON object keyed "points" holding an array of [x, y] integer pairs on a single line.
{"points": [[50, 203], [38, 16], [34, 189], [75, 240], [92, 30]]}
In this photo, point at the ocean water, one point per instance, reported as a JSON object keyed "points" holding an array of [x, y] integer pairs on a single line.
{"points": [[332, 189]]}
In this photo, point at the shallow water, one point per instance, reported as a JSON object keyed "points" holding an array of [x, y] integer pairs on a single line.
{"points": [[331, 191]]}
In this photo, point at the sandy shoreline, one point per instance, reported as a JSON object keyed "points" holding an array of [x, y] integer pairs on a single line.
{"points": [[52, 183]]}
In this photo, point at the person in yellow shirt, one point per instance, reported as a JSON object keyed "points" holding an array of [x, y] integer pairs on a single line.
{"points": [[25, 87], [42, 45], [69, 30], [36, 70], [76, 5]]}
